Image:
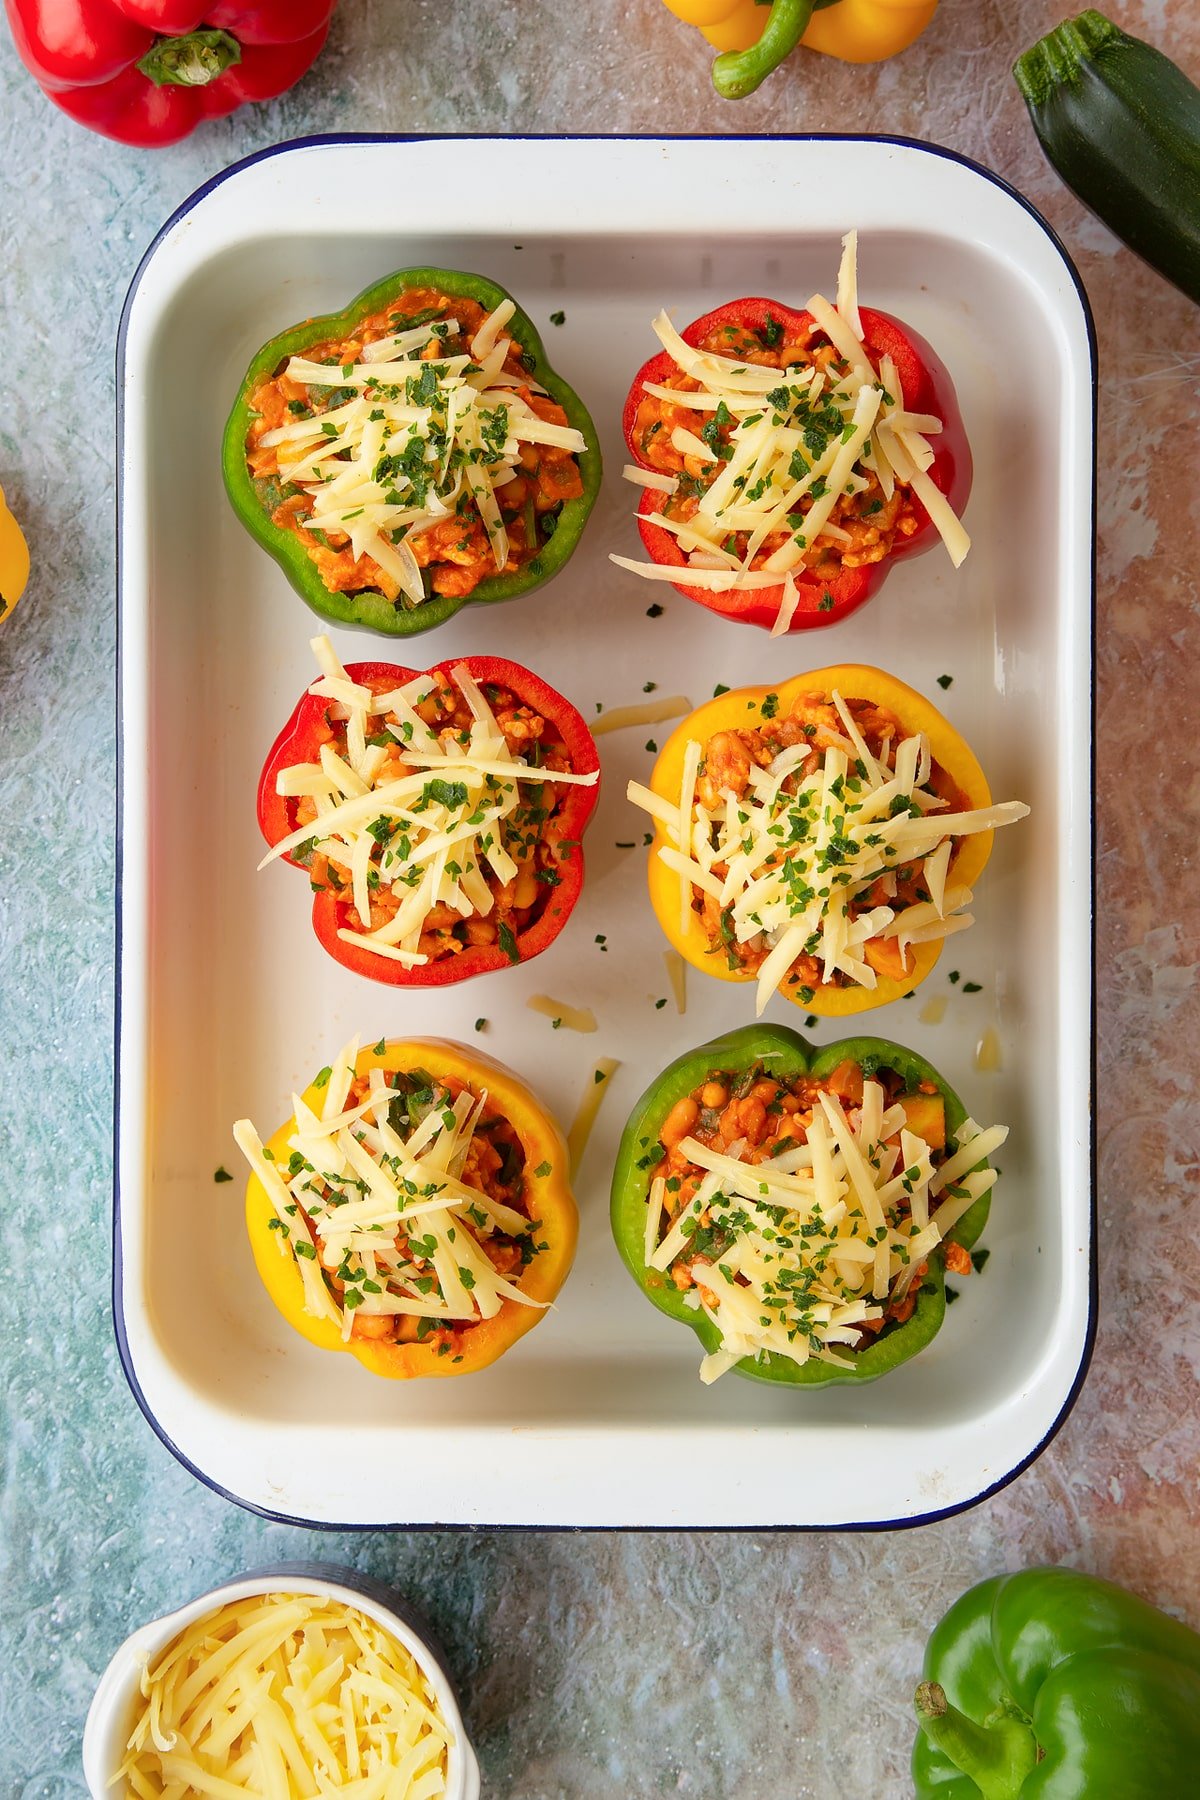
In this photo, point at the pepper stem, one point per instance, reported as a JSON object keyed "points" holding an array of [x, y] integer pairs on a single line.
{"points": [[997, 1756], [1057, 59], [192, 60], [738, 72]]}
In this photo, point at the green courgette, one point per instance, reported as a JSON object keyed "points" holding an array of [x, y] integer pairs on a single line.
{"points": [[1121, 124]]}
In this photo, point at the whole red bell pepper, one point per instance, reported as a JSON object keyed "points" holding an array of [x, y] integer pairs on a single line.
{"points": [[300, 742], [927, 388], [147, 72]]}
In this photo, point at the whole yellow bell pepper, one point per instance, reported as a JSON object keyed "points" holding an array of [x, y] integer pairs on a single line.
{"points": [[742, 709], [548, 1199], [855, 31], [14, 560]]}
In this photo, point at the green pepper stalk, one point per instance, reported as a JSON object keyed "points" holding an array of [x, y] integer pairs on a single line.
{"points": [[255, 499], [782, 1053], [1054, 1685], [997, 1754], [191, 61], [738, 72]]}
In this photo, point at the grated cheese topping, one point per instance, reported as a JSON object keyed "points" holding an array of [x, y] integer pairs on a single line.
{"points": [[375, 1209], [286, 1695], [795, 441], [420, 439], [786, 860], [801, 1254], [414, 820]]}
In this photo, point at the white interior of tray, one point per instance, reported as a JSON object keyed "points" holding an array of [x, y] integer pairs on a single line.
{"points": [[229, 1003]]}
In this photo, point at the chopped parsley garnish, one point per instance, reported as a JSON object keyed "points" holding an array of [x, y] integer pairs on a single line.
{"points": [[508, 943]]}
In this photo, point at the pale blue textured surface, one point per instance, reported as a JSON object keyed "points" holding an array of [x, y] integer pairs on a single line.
{"points": [[719, 1667]]}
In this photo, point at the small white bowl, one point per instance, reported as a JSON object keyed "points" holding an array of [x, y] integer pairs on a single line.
{"points": [[105, 1733]]}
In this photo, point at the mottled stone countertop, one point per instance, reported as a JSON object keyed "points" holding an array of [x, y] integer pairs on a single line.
{"points": [[727, 1668]]}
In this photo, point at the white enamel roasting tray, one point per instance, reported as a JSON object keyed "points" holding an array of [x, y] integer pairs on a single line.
{"points": [[228, 1004]]}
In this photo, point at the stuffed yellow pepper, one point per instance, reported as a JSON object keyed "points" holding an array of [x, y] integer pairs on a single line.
{"points": [[414, 1211], [820, 839]]}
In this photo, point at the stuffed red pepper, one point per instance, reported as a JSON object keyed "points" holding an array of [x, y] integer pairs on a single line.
{"points": [[789, 459], [439, 814]]}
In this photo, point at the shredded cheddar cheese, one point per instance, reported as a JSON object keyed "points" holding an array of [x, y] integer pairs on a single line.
{"points": [[283, 1696]]}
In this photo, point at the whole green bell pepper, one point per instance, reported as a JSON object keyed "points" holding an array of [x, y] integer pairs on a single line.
{"points": [[1054, 1685], [256, 499], [782, 1052]]}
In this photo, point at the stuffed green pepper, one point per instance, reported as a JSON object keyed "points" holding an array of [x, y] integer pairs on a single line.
{"points": [[799, 1207], [411, 454]]}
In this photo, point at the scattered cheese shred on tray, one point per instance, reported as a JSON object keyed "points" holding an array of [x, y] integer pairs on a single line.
{"points": [[575, 1018], [796, 440], [818, 1239], [648, 712], [286, 1696], [677, 976], [593, 1098]]}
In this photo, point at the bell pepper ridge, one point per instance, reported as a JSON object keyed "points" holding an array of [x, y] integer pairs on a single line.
{"points": [[298, 742], [927, 388], [147, 72], [785, 1052], [372, 610]]}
